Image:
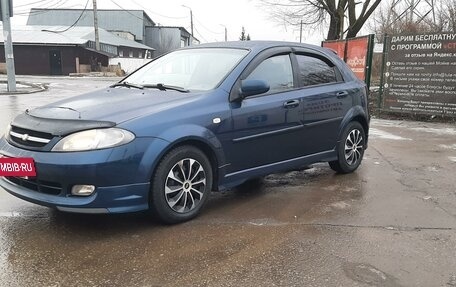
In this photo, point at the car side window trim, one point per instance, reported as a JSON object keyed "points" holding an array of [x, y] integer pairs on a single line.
{"points": [[277, 71], [338, 74], [277, 51]]}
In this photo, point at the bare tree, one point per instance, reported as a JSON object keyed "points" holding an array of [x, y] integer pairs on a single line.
{"points": [[395, 17], [445, 19], [314, 13]]}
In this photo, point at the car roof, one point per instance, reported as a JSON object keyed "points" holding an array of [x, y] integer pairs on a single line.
{"points": [[258, 46], [253, 45]]}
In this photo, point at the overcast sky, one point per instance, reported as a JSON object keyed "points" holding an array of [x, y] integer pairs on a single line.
{"points": [[209, 17]]}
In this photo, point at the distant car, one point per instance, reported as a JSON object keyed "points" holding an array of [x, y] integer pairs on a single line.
{"points": [[202, 118]]}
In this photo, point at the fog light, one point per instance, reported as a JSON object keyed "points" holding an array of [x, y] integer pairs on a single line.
{"points": [[82, 190]]}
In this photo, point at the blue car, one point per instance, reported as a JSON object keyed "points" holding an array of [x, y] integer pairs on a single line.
{"points": [[199, 119]]}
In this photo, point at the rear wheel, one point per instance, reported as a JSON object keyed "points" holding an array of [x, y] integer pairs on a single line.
{"points": [[181, 185], [350, 149]]}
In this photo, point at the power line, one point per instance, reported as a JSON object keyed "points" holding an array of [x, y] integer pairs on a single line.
{"points": [[123, 9], [23, 14], [57, 4], [44, 10], [207, 29], [200, 35], [75, 22], [33, 3]]}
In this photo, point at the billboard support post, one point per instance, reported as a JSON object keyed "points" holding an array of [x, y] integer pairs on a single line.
{"points": [[370, 55], [382, 74]]}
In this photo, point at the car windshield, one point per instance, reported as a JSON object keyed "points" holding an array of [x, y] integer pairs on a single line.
{"points": [[193, 69]]}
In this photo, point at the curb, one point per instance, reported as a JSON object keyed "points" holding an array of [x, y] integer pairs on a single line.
{"points": [[30, 89]]}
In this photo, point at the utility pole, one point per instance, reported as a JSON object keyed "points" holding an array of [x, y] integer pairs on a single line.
{"points": [[95, 25], [300, 33], [7, 11], [226, 32], [191, 19]]}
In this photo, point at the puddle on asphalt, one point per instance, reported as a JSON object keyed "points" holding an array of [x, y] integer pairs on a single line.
{"points": [[302, 196], [368, 274], [60, 239]]}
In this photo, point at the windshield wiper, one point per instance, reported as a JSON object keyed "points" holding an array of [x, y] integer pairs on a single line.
{"points": [[127, 84], [163, 87]]}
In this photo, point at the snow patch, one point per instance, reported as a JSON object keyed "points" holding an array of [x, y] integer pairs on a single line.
{"points": [[376, 133], [444, 146], [11, 214], [340, 205], [432, 168], [438, 131], [387, 123]]}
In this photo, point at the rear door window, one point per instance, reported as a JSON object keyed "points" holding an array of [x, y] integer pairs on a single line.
{"points": [[314, 71]]}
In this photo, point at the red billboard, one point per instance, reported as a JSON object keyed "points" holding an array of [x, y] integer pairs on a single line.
{"points": [[337, 46], [355, 52]]}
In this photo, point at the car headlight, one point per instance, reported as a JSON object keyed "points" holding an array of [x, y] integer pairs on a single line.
{"points": [[94, 139], [8, 130]]}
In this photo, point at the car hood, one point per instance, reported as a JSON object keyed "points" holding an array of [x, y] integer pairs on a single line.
{"points": [[115, 105]]}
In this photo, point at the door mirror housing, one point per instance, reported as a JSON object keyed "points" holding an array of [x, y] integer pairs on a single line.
{"points": [[253, 87]]}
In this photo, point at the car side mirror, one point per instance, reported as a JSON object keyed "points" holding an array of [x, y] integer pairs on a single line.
{"points": [[253, 87]]}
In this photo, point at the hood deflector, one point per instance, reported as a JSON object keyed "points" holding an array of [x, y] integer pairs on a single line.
{"points": [[57, 127]]}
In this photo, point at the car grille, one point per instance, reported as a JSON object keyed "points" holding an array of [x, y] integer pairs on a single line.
{"points": [[29, 138], [36, 185]]}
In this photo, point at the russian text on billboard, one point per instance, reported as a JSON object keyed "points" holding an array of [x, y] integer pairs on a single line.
{"points": [[420, 74]]}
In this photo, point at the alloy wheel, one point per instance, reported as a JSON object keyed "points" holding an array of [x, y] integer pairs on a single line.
{"points": [[353, 147], [185, 185]]}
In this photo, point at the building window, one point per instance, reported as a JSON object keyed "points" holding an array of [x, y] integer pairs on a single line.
{"points": [[140, 55], [130, 54], [120, 53]]}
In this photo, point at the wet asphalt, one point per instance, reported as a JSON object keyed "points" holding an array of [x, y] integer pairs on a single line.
{"points": [[391, 223]]}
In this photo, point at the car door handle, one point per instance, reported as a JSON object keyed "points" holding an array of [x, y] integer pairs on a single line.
{"points": [[291, 104], [342, 94]]}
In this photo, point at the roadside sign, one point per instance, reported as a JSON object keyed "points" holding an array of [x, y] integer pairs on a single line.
{"points": [[357, 53], [420, 74]]}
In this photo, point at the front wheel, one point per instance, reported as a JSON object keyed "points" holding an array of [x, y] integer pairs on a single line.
{"points": [[350, 149], [181, 185]]}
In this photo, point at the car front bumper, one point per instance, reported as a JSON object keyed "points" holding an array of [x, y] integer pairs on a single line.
{"points": [[121, 177]]}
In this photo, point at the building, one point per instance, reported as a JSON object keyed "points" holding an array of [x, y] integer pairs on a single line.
{"points": [[57, 50], [131, 24], [132, 21], [168, 38]]}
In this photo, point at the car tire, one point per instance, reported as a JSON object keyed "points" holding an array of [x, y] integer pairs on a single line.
{"points": [[350, 149], [181, 185]]}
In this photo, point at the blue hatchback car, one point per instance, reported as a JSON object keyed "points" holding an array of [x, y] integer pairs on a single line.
{"points": [[202, 118]]}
